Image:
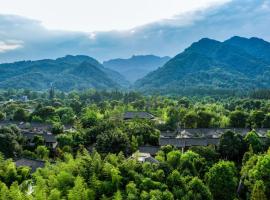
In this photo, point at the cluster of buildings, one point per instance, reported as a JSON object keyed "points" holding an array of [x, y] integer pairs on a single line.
{"points": [[30, 130], [22, 98], [184, 138], [181, 139]]}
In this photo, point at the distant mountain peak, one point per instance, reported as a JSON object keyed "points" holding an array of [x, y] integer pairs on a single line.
{"points": [[137, 66], [235, 64], [207, 40], [205, 43], [243, 39], [254, 46], [236, 37], [77, 59], [67, 73]]}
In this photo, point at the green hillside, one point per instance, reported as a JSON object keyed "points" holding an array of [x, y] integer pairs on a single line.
{"points": [[67, 73], [210, 65]]}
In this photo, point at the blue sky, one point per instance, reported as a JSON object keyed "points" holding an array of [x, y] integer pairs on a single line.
{"points": [[37, 29]]}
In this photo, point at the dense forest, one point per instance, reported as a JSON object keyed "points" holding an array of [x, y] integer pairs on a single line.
{"points": [[235, 65], [96, 156], [66, 73]]}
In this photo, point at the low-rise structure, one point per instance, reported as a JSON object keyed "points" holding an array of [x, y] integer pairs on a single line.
{"points": [[32, 163], [209, 132], [137, 115], [144, 157], [49, 139], [152, 150], [188, 142]]}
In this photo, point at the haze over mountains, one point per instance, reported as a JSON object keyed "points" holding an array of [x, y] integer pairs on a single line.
{"points": [[237, 64], [136, 67]]}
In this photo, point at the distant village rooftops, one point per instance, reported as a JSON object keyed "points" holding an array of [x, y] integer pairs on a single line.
{"points": [[208, 132], [27, 125], [33, 126], [32, 163], [185, 138], [188, 142], [137, 115], [152, 150], [49, 139], [144, 157]]}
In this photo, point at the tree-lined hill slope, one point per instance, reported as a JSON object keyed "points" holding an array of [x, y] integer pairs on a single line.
{"points": [[212, 65], [67, 73]]}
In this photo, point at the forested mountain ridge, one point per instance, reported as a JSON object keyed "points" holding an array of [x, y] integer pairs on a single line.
{"points": [[66, 73], [207, 66], [212, 65], [136, 67], [254, 46]]}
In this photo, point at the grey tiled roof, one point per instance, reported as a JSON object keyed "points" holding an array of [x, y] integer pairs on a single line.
{"points": [[213, 141], [140, 115], [163, 141], [143, 157], [32, 163], [152, 150], [151, 160], [210, 132], [24, 125], [188, 142], [202, 136], [49, 138], [168, 133]]}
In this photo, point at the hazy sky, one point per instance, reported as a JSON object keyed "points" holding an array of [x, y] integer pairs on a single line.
{"points": [[105, 29], [101, 15]]}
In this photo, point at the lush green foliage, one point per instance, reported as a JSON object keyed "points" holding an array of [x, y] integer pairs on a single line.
{"points": [[238, 168], [211, 67], [67, 73]]}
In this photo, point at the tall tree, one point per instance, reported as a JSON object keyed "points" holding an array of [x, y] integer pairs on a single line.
{"points": [[252, 139], [222, 180], [80, 191], [238, 119], [197, 190], [232, 146], [258, 192]]}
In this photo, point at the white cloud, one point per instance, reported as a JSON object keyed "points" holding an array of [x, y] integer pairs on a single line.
{"points": [[164, 37], [92, 36], [10, 45], [100, 15], [266, 5]]}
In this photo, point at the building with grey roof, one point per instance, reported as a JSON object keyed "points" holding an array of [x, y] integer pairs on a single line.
{"points": [[137, 115], [144, 157], [32, 163], [210, 132], [49, 139], [152, 150], [188, 142]]}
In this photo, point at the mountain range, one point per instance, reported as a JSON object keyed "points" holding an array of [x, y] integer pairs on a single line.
{"points": [[237, 64], [207, 66], [66, 73], [136, 67]]}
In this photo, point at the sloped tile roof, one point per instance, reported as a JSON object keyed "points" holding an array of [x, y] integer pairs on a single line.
{"points": [[32, 163], [140, 115]]}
